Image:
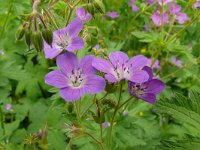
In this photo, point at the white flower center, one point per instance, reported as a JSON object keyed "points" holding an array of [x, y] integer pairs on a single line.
{"points": [[62, 41], [76, 78], [121, 71]]}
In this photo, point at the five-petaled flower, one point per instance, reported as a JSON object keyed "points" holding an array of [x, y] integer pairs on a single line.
{"points": [[148, 90], [75, 78], [82, 14], [120, 67], [65, 39]]}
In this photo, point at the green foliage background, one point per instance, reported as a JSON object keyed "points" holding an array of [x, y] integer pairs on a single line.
{"points": [[173, 123]]}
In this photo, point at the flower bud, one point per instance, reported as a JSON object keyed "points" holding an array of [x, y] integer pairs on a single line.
{"points": [[37, 41], [99, 6], [28, 38], [90, 8], [48, 36], [20, 32]]}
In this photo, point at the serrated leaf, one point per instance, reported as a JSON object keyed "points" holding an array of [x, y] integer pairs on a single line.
{"points": [[186, 109]]}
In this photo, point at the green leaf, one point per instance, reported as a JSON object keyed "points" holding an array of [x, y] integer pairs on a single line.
{"points": [[146, 37], [188, 143], [185, 109]]}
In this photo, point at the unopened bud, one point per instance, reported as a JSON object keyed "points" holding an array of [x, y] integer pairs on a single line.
{"points": [[48, 36], [90, 8], [37, 41], [99, 6], [20, 33], [28, 38]]}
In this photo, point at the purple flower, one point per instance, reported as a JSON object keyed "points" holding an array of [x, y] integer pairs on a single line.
{"points": [[155, 65], [148, 90], [164, 2], [66, 38], [105, 124], [196, 5], [146, 27], [75, 78], [82, 14], [97, 47], [9, 107], [150, 1], [134, 7], [174, 9], [157, 18], [120, 67], [113, 14], [178, 63], [182, 17], [42, 133]]}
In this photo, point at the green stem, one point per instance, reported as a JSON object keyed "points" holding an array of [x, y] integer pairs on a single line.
{"points": [[71, 10], [170, 28], [77, 109], [5, 22], [182, 30], [51, 18], [93, 102], [101, 134], [142, 11], [69, 15], [128, 100], [113, 117], [103, 96], [96, 140], [2, 122]]}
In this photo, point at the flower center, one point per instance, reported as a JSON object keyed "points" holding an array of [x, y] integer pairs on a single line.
{"points": [[76, 78], [139, 89], [62, 41], [121, 71]]}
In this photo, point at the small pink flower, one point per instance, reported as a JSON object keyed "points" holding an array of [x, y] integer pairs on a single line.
{"points": [[159, 18], [134, 7], [113, 14], [9, 107]]}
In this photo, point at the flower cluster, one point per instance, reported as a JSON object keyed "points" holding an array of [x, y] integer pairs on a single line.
{"points": [[162, 17], [75, 78]]}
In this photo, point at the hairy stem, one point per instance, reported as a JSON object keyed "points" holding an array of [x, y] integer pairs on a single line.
{"points": [[51, 18], [35, 5], [96, 140], [113, 116]]}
